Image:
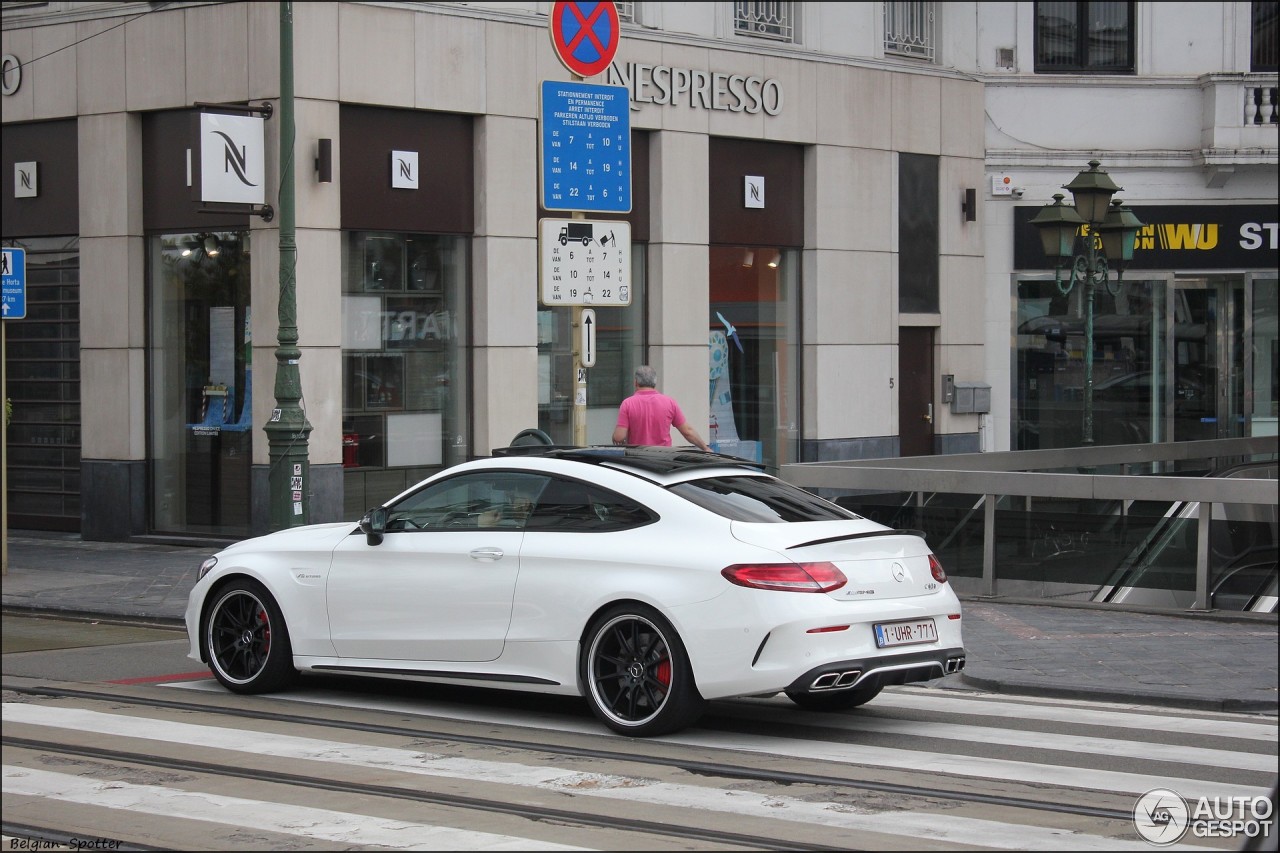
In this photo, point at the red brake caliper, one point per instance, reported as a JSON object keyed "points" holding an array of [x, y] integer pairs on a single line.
{"points": [[266, 633], [663, 673]]}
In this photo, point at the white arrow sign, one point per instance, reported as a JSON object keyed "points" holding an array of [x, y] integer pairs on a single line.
{"points": [[588, 337]]}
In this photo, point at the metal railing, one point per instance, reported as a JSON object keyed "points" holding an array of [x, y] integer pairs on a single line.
{"points": [[1071, 521]]}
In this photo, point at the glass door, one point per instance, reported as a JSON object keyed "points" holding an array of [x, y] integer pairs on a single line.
{"points": [[1261, 355], [1207, 359]]}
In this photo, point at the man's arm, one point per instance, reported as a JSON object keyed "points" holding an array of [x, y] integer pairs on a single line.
{"points": [[690, 434], [620, 435]]}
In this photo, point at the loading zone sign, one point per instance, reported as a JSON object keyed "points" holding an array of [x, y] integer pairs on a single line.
{"points": [[584, 262]]}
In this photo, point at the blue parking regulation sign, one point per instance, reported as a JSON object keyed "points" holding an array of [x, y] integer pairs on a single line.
{"points": [[585, 146], [13, 303]]}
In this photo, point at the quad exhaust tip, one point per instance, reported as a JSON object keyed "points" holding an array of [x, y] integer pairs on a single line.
{"points": [[849, 678], [836, 680]]}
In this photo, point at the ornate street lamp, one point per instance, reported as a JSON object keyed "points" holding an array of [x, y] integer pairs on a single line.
{"points": [[1108, 231]]}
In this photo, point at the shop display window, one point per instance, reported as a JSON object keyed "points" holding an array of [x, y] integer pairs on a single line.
{"points": [[753, 372], [405, 370], [200, 374]]}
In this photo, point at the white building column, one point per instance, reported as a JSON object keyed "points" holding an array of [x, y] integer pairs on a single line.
{"points": [[679, 274]]}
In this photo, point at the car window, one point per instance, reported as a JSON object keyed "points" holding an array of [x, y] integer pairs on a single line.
{"points": [[572, 505], [498, 499], [762, 499]]}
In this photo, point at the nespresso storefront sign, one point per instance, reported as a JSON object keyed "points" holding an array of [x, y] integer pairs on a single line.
{"points": [[232, 159], [708, 90]]}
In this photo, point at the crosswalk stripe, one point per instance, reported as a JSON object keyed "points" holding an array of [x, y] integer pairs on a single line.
{"points": [[321, 824], [860, 754], [1107, 747], [1057, 712], [967, 831]]}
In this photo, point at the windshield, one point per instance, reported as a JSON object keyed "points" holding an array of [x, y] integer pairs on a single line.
{"points": [[761, 499]]}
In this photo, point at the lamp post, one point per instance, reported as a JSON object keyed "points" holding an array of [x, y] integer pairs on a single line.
{"points": [[288, 430], [1108, 231]]}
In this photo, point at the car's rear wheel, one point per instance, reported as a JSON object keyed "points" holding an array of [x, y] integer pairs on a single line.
{"points": [[247, 640], [636, 673], [837, 700]]}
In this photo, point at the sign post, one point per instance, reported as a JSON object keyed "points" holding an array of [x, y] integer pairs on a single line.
{"points": [[585, 165], [13, 306]]}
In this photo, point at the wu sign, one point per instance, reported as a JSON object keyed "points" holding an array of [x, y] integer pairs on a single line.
{"points": [[232, 159]]}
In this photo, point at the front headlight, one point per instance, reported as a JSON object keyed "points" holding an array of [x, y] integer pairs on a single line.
{"points": [[206, 567]]}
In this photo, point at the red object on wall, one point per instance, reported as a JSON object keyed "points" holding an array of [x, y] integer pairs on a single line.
{"points": [[350, 449]]}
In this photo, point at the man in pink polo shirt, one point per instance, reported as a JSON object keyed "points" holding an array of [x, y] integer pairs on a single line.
{"points": [[646, 417]]}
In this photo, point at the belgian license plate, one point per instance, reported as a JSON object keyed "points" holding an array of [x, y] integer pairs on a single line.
{"points": [[905, 633]]}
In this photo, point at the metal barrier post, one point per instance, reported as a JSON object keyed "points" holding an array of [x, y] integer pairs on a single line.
{"points": [[989, 546], [1202, 556]]}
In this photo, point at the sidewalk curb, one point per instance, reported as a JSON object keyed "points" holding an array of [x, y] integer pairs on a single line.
{"points": [[1189, 703], [141, 619]]}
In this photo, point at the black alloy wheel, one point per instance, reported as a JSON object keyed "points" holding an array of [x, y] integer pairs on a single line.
{"points": [[247, 641], [636, 673]]}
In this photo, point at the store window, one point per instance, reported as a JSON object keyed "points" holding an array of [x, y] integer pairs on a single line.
{"points": [[1263, 354], [1133, 396], [42, 369], [406, 376], [620, 342], [753, 359], [201, 380], [1084, 38]]}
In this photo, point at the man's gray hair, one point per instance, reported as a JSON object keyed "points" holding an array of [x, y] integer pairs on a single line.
{"points": [[646, 376]]}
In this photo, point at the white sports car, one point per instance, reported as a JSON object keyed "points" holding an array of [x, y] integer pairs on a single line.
{"points": [[648, 580]]}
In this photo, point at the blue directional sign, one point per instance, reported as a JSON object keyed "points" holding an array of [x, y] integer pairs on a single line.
{"points": [[13, 294], [585, 145]]}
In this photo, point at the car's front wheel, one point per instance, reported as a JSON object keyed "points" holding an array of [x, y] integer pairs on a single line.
{"points": [[247, 641], [636, 673], [838, 700]]}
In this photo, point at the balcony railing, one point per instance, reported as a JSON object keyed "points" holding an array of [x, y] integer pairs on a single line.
{"points": [[909, 29], [1260, 105], [765, 20]]}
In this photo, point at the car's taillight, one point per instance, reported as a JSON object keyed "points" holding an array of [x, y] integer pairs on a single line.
{"points": [[935, 566], [786, 577]]}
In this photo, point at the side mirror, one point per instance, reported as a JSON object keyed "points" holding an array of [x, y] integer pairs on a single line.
{"points": [[374, 524]]}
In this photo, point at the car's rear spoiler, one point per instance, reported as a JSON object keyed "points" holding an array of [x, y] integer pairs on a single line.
{"points": [[919, 533]]}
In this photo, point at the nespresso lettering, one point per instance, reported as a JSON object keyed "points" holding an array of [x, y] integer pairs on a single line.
{"points": [[11, 69], [708, 90]]}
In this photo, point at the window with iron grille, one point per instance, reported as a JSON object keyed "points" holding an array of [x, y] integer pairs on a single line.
{"points": [[909, 29], [626, 12], [1084, 38], [1264, 50], [765, 20]]}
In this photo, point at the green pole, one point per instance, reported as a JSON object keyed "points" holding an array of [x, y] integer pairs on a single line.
{"points": [[288, 430]]}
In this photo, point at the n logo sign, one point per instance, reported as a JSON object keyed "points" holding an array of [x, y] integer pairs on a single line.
{"points": [[232, 159]]}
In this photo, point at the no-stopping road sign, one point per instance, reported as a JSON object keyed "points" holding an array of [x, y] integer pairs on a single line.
{"points": [[584, 35]]}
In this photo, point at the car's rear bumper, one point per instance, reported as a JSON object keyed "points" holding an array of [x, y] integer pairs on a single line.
{"points": [[902, 668]]}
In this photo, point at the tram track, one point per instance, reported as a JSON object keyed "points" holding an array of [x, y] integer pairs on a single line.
{"points": [[1051, 803]]}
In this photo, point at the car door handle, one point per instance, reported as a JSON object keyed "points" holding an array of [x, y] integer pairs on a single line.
{"points": [[486, 554]]}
